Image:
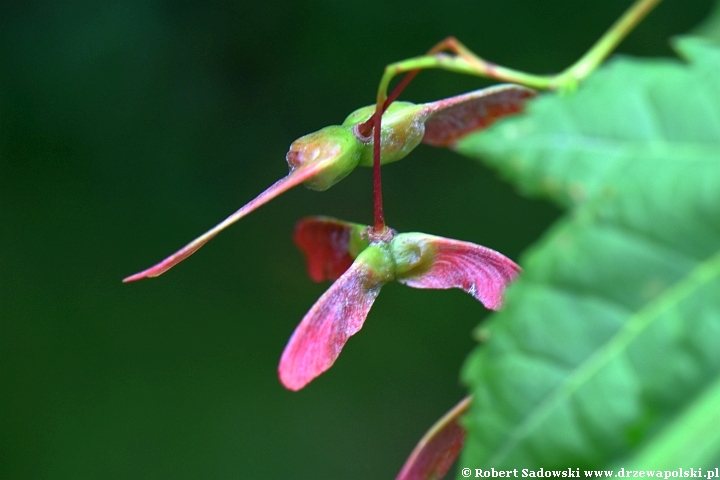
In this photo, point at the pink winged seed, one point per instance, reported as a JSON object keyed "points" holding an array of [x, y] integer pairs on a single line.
{"points": [[322, 333], [296, 177], [452, 118], [324, 241], [479, 271], [437, 450]]}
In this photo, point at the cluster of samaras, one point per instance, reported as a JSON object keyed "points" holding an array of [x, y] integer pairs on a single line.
{"points": [[359, 259], [362, 259]]}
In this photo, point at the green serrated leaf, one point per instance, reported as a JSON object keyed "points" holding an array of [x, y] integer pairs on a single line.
{"points": [[632, 110], [612, 334]]}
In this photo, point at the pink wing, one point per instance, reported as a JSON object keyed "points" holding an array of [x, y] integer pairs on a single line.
{"points": [[322, 333], [478, 270], [452, 118], [437, 450], [296, 177], [324, 242]]}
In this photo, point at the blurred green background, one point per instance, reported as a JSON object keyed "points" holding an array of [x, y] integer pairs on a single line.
{"points": [[128, 128]]}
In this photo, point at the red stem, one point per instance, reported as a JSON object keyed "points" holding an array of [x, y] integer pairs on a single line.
{"points": [[379, 225], [365, 128], [400, 87], [375, 123]]}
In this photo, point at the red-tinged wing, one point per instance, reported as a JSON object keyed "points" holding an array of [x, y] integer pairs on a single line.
{"points": [[452, 118], [296, 177], [325, 242], [437, 450], [478, 270], [322, 333]]}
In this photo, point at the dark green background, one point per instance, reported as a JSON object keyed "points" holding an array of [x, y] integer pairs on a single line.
{"points": [[128, 128]]}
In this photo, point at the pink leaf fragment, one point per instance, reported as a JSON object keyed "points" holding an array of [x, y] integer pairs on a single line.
{"points": [[452, 118], [322, 333], [325, 242], [295, 177], [479, 271], [433, 456]]}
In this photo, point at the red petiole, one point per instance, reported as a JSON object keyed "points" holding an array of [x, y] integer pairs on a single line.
{"points": [[374, 125]]}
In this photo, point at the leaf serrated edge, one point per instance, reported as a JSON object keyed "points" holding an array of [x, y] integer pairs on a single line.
{"points": [[615, 346]]}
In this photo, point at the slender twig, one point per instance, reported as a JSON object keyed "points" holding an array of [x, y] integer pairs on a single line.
{"points": [[463, 60]]}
